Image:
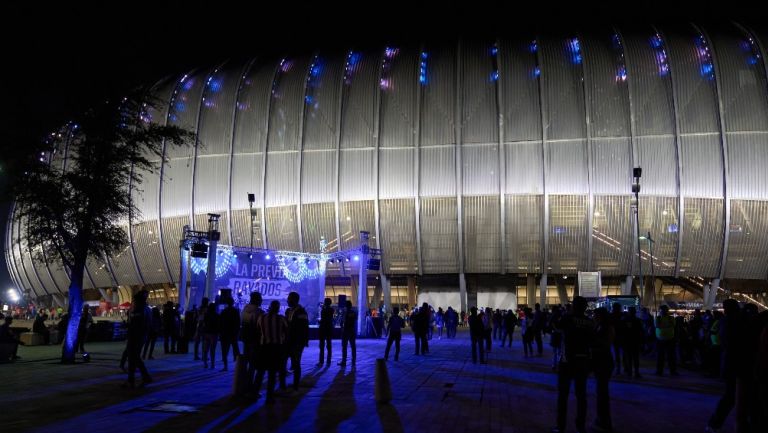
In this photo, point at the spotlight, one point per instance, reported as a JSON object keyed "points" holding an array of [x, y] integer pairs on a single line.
{"points": [[347, 259], [267, 257], [357, 258], [250, 256]]}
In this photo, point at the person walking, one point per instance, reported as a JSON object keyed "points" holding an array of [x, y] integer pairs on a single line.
{"points": [[229, 329], [326, 331], [348, 333], [274, 329], [574, 366], [603, 365], [477, 335], [139, 322], [394, 333], [665, 342], [732, 341], [297, 338]]}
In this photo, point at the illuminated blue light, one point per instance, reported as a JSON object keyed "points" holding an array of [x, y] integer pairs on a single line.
{"points": [[356, 258], [656, 41], [354, 58], [705, 58], [315, 71], [534, 46], [752, 60], [494, 51], [672, 228], [494, 76], [536, 72], [423, 69], [390, 52], [215, 85], [267, 257], [751, 50], [575, 48], [297, 271], [621, 75], [208, 103], [308, 99], [385, 84], [180, 106], [661, 54], [223, 262], [188, 84], [559, 229], [424, 55]]}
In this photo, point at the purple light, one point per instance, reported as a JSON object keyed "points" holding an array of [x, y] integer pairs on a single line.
{"points": [[267, 257], [621, 75], [534, 46], [575, 47], [390, 52], [356, 258], [188, 84], [385, 84]]}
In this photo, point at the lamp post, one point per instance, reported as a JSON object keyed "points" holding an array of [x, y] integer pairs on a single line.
{"points": [[637, 172], [251, 199], [653, 275]]}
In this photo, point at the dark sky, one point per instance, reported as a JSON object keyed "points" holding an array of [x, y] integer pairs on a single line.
{"points": [[59, 59]]}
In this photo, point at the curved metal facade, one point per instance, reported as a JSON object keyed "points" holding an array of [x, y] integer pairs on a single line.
{"points": [[502, 156]]}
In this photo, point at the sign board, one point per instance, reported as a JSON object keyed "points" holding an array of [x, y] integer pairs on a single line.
{"points": [[590, 285], [273, 277]]}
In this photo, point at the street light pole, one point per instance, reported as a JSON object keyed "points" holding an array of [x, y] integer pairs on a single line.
{"points": [[637, 172], [653, 276]]}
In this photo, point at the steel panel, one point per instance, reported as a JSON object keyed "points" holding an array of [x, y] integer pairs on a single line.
{"points": [[173, 230], [241, 228], [321, 102], [695, 90], [702, 159], [42, 272], [561, 81], [657, 157], [568, 233], [437, 171], [211, 191], [26, 261], [282, 180], [606, 86], [398, 98], [703, 237], [217, 110], [524, 168], [396, 174], [251, 115], [479, 113], [398, 231], [747, 160], [659, 216], [651, 87], [525, 216], [145, 195], [613, 239], [748, 246], [176, 195], [482, 239], [612, 166], [743, 85], [438, 100], [147, 246], [317, 171], [357, 178], [439, 235], [123, 265], [184, 110], [246, 178], [61, 275], [282, 231], [99, 272], [361, 75], [481, 169], [519, 90], [16, 251], [567, 167], [287, 104], [318, 220], [355, 216]]}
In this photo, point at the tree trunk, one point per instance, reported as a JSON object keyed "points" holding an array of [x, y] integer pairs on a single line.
{"points": [[75, 310]]}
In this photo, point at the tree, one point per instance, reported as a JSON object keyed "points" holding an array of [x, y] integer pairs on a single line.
{"points": [[75, 213]]}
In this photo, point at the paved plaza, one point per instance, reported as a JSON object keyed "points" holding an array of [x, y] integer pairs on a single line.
{"points": [[440, 392]]}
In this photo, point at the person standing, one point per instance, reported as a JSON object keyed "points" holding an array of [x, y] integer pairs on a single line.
{"points": [[497, 328], [153, 333], [440, 322], [210, 335], [298, 336], [526, 328], [419, 324], [508, 323], [477, 335], [578, 333], [602, 365], [326, 331], [251, 334], [451, 322], [665, 342], [488, 328], [274, 329], [731, 334], [348, 332], [555, 335], [200, 326], [86, 320], [616, 317], [394, 333], [139, 322], [538, 328], [229, 330], [633, 342], [169, 328]]}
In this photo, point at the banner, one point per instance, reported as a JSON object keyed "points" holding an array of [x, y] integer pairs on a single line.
{"points": [[590, 285], [273, 277]]}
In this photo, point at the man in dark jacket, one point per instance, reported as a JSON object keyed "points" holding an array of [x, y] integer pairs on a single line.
{"points": [[732, 334], [419, 324], [348, 332], [326, 331], [170, 331], [578, 334], [394, 333], [298, 336], [476, 334], [229, 329], [508, 324], [139, 322], [633, 341]]}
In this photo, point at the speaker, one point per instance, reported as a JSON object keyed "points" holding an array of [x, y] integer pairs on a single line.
{"points": [[199, 250]]}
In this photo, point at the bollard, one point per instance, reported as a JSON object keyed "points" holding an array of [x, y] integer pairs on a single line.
{"points": [[383, 390], [240, 379]]}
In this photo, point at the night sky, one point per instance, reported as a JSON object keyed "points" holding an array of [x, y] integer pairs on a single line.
{"points": [[61, 59]]}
